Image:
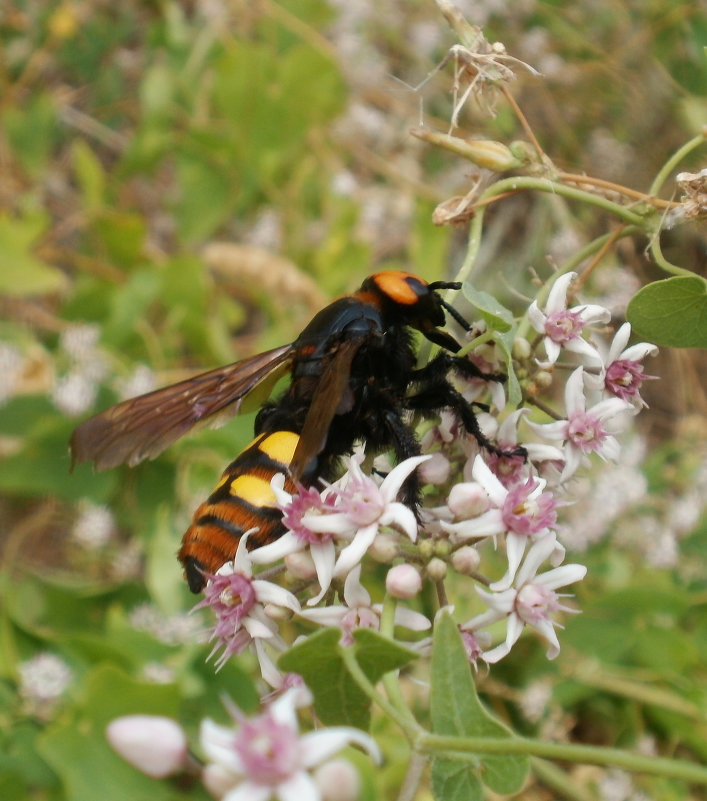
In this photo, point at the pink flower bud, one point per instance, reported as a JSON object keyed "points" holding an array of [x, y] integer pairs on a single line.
{"points": [[467, 500], [466, 560], [300, 565], [156, 746], [338, 780], [403, 581], [435, 470]]}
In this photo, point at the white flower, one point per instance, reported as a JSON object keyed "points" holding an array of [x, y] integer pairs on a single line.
{"points": [[266, 757], [561, 326], [585, 430], [239, 602], [532, 600], [621, 372]]}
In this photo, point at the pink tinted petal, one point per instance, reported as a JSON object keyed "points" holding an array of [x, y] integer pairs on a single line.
{"points": [[249, 791]]}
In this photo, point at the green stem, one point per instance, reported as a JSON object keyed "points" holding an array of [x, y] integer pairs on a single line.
{"points": [[674, 160], [559, 781], [587, 754], [661, 261], [572, 192], [404, 719]]}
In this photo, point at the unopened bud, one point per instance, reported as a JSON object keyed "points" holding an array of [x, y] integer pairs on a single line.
{"points": [[426, 549], [436, 569], [300, 565], [468, 499], [521, 348], [156, 746], [466, 560], [277, 613], [403, 582], [384, 548], [338, 780], [435, 470]]}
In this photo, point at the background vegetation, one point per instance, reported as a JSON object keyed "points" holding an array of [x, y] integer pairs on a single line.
{"points": [[181, 185]]}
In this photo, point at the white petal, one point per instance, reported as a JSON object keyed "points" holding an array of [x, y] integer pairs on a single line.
{"points": [[515, 628], [553, 431], [592, 313], [515, 548], [401, 517], [323, 555], [409, 619], [638, 352], [552, 349], [392, 483], [611, 407], [299, 787], [557, 299], [482, 473], [488, 524], [547, 630], [574, 392], [267, 554], [499, 601], [318, 746], [536, 318], [561, 576], [621, 338], [355, 594], [268, 593], [584, 349], [248, 791], [539, 552], [352, 554], [256, 628], [217, 745], [325, 615]]}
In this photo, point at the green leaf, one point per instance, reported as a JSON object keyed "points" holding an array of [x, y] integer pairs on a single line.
{"points": [[672, 312], [498, 317], [21, 272], [504, 341], [456, 710], [337, 698]]}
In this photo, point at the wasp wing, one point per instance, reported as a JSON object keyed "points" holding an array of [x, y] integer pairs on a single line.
{"points": [[142, 427], [329, 399]]}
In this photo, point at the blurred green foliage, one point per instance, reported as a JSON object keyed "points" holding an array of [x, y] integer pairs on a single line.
{"points": [[133, 136]]}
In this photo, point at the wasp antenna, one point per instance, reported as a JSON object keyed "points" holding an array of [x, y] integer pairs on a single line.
{"points": [[437, 285], [455, 314]]}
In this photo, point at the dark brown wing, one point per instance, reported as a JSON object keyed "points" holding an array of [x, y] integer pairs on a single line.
{"points": [[141, 428], [328, 400]]}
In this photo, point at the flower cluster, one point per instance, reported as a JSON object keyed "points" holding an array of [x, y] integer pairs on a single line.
{"points": [[507, 499]]}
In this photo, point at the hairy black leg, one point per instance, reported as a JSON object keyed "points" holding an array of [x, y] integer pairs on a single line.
{"points": [[442, 395], [439, 368]]}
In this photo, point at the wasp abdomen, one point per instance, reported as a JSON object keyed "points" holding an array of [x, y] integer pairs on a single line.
{"points": [[242, 500]]}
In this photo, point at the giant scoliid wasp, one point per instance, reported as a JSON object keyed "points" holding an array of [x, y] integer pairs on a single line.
{"points": [[353, 378]]}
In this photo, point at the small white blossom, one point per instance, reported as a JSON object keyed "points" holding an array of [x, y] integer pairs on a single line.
{"points": [[531, 600], [265, 757], [562, 327]]}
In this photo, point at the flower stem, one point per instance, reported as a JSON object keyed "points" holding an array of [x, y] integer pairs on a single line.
{"points": [[587, 754], [674, 160]]}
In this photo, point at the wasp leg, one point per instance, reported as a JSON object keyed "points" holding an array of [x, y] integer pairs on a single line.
{"points": [[441, 395]]}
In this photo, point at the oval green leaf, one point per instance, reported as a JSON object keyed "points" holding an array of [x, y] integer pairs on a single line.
{"points": [[672, 312]]}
